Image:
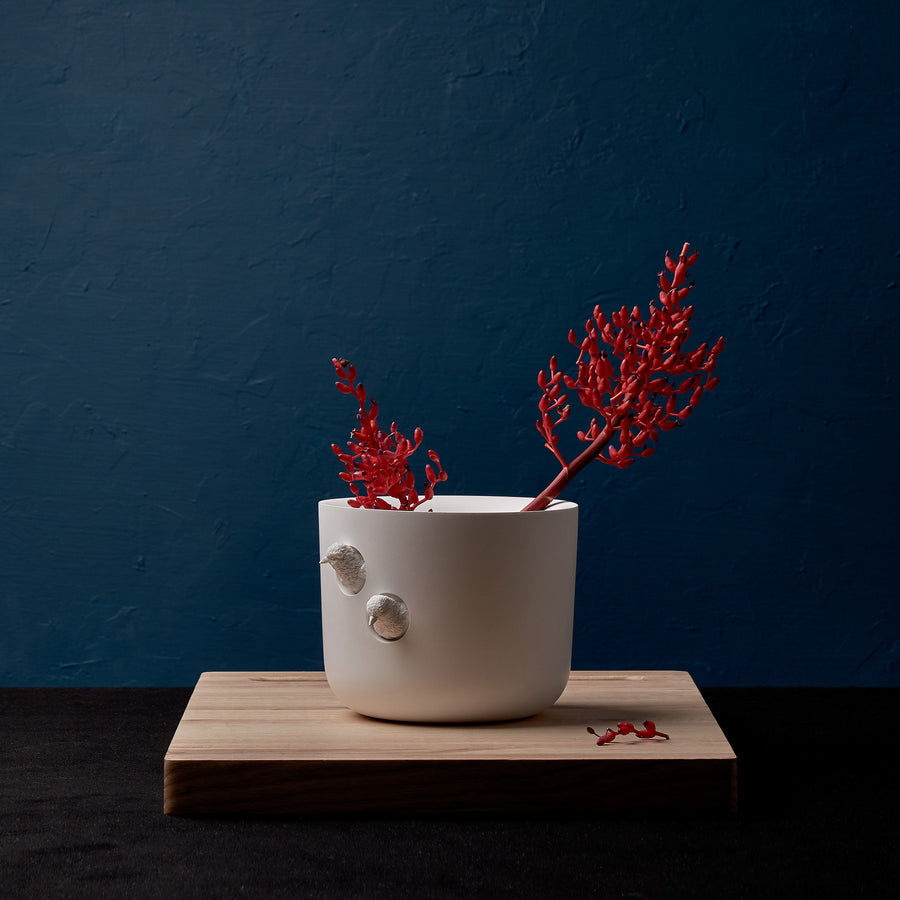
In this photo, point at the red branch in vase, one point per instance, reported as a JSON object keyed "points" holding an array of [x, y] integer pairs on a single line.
{"points": [[654, 387], [378, 459]]}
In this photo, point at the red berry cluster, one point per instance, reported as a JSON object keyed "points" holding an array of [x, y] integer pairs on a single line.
{"points": [[378, 459], [648, 731], [654, 387]]}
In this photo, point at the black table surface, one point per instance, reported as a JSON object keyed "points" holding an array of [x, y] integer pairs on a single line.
{"points": [[81, 793]]}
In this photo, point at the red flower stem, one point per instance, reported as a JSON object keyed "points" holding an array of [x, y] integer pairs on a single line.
{"points": [[555, 488]]}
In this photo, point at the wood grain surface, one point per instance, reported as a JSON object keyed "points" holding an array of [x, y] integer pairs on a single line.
{"points": [[279, 742]]}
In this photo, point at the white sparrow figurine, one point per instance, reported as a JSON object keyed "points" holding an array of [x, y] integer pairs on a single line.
{"points": [[388, 616], [348, 565]]}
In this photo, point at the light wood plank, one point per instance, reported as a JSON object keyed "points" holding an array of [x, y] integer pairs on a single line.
{"points": [[276, 742]]}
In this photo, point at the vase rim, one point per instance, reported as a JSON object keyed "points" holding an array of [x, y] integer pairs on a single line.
{"points": [[460, 504]]}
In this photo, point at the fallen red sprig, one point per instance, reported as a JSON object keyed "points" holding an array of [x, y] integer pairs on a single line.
{"points": [[379, 459], [610, 735], [648, 731], [654, 388]]}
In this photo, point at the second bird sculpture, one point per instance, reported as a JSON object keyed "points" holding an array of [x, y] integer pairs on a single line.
{"points": [[388, 616]]}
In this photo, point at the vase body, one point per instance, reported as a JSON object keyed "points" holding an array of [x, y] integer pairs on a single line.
{"points": [[488, 596]]}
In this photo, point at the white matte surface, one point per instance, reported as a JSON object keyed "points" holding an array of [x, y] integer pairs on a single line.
{"points": [[490, 594]]}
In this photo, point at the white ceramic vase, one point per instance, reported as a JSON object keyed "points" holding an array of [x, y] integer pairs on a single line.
{"points": [[459, 611]]}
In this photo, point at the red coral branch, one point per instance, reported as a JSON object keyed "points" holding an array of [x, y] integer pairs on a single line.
{"points": [[647, 732], [378, 459], [654, 388]]}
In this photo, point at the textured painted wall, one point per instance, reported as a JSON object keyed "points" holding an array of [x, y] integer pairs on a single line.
{"points": [[202, 202]]}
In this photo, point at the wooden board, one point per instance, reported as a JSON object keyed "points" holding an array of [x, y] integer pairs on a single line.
{"points": [[279, 742]]}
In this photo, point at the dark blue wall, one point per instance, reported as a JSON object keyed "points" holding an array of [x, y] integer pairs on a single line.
{"points": [[202, 202]]}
